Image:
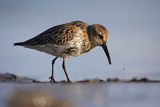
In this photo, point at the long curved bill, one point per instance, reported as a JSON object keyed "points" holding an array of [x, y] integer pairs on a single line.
{"points": [[104, 46]]}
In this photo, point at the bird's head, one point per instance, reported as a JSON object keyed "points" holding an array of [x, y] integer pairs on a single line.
{"points": [[98, 36]]}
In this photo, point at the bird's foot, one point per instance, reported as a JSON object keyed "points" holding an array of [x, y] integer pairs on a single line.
{"points": [[69, 81], [52, 80]]}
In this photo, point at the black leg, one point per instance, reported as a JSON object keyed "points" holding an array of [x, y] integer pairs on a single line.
{"points": [[52, 76], [64, 68]]}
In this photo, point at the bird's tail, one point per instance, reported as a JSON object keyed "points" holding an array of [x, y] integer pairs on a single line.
{"points": [[18, 44]]}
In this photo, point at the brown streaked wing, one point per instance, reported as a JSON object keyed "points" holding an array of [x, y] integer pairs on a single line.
{"points": [[57, 35], [44, 37]]}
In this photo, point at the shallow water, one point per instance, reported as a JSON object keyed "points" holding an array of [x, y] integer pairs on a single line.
{"points": [[92, 95]]}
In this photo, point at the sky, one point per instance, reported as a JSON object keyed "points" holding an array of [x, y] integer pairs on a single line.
{"points": [[134, 46]]}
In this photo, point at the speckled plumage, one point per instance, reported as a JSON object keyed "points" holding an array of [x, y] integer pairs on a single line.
{"points": [[70, 39], [64, 40]]}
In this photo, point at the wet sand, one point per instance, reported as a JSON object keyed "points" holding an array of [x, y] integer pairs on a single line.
{"points": [[8, 77], [116, 94], [86, 93]]}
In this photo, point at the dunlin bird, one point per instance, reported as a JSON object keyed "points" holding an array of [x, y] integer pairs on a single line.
{"points": [[69, 40]]}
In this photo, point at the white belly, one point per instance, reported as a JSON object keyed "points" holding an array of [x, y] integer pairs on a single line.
{"points": [[56, 50]]}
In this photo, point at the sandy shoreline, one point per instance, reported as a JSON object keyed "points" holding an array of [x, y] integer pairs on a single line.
{"points": [[8, 77]]}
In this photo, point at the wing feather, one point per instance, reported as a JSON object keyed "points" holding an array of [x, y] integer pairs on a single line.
{"points": [[57, 35]]}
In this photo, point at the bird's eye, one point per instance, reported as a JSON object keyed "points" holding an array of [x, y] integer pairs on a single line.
{"points": [[100, 36]]}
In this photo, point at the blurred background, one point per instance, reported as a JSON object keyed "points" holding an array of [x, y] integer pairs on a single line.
{"points": [[134, 45]]}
